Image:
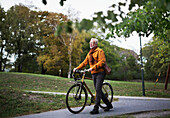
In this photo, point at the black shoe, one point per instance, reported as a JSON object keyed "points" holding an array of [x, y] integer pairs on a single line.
{"points": [[94, 111], [108, 107]]}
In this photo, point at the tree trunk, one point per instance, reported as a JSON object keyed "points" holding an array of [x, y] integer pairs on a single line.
{"points": [[70, 66], [1, 54], [167, 77], [42, 69], [5, 63], [61, 72], [0, 64], [70, 55], [19, 61]]}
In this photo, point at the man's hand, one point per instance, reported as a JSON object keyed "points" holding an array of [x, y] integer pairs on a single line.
{"points": [[74, 69], [89, 70]]}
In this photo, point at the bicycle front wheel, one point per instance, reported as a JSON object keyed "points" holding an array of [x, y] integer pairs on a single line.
{"points": [[76, 98], [108, 92]]}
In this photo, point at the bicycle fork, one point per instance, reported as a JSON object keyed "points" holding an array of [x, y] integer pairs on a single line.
{"points": [[78, 92]]}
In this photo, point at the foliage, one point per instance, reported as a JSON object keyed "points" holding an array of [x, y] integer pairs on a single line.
{"points": [[61, 45], [147, 20], [162, 50], [160, 55], [151, 16], [52, 57], [5, 46], [31, 35], [128, 68], [85, 24], [61, 2], [147, 52], [156, 62], [21, 36]]}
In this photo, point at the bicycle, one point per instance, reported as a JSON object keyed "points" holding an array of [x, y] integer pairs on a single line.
{"points": [[77, 94]]}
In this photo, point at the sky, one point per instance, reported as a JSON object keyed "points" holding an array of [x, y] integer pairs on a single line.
{"points": [[85, 9]]}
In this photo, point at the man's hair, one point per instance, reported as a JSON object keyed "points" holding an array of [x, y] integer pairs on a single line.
{"points": [[95, 40]]}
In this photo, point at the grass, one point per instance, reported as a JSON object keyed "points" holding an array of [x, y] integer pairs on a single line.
{"points": [[15, 102], [123, 88], [38, 82]]}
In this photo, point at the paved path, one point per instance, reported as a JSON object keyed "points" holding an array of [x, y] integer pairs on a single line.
{"points": [[123, 106]]}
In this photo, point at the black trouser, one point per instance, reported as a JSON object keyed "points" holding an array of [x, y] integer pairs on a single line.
{"points": [[98, 79]]}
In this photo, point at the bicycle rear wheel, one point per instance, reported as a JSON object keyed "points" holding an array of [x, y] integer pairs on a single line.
{"points": [[108, 91], [76, 98]]}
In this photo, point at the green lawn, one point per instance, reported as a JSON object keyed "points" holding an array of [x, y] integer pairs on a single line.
{"points": [[14, 101]]}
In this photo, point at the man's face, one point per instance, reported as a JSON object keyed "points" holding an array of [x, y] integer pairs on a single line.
{"points": [[92, 44]]}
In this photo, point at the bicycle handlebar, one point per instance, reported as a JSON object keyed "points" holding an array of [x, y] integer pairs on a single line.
{"points": [[82, 71], [77, 75]]}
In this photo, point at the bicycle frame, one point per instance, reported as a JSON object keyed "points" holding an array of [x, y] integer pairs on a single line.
{"points": [[93, 97], [87, 88]]}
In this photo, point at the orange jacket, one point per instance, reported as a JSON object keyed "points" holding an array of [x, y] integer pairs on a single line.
{"points": [[96, 67]]}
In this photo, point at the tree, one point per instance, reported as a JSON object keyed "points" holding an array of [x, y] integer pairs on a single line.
{"points": [[160, 60], [23, 25], [50, 56], [151, 16], [150, 74], [18, 21], [2, 37], [156, 63], [61, 45], [85, 24], [67, 35]]}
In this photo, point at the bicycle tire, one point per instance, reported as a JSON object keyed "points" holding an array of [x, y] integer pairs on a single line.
{"points": [[72, 101], [108, 91]]}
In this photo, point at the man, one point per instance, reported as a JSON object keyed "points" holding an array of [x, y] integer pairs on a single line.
{"points": [[96, 59]]}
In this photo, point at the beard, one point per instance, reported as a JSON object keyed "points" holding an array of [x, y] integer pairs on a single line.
{"points": [[92, 46]]}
